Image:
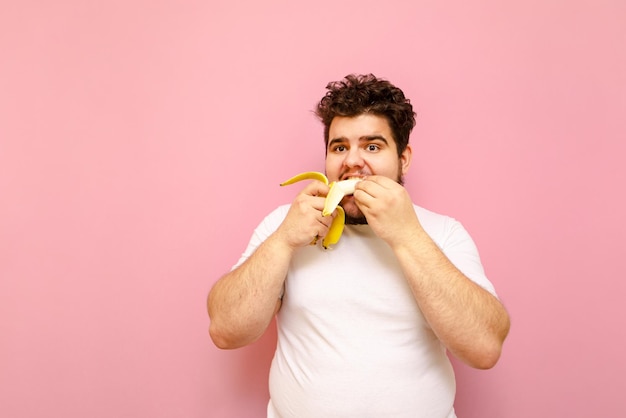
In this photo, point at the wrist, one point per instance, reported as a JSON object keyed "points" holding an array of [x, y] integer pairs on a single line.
{"points": [[280, 244]]}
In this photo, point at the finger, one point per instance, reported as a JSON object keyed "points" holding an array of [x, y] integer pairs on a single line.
{"points": [[308, 204], [373, 183], [382, 180], [316, 195], [363, 199], [367, 189], [316, 188]]}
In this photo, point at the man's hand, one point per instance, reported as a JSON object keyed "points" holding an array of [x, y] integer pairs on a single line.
{"points": [[304, 222], [388, 208]]}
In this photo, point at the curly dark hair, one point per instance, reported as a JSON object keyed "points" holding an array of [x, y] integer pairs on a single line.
{"points": [[358, 94]]}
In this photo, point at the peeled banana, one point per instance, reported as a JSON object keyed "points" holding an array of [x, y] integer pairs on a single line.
{"points": [[338, 189]]}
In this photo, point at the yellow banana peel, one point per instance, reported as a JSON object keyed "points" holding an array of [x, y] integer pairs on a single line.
{"points": [[336, 229], [338, 189], [309, 175]]}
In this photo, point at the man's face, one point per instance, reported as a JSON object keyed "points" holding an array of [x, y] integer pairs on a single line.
{"points": [[361, 146]]}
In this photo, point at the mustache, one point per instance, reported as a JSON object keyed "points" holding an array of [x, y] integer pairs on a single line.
{"points": [[348, 174]]}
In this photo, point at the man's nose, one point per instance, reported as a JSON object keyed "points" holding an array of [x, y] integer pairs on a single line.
{"points": [[354, 158]]}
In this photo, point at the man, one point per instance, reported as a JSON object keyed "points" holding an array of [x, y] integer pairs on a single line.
{"points": [[363, 327]]}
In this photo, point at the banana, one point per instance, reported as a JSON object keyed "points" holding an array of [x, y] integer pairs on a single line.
{"points": [[309, 175], [338, 189], [335, 230]]}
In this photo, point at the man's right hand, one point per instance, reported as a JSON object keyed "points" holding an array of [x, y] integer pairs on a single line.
{"points": [[304, 223]]}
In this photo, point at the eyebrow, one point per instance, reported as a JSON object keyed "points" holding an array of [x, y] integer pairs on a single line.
{"points": [[365, 138]]}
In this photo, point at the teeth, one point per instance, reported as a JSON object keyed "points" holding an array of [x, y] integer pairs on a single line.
{"points": [[338, 189]]}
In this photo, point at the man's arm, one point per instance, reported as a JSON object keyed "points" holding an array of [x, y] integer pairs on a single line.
{"points": [[243, 302], [466, 318]]}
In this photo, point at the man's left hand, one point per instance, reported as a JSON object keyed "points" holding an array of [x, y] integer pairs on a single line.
{"points": [[388, 208]]}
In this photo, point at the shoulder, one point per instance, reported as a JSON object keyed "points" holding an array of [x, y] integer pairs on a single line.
{"points": [[264, 229], [277, 215], [456, 243], [443, 229], [433, 222], [271, 221]]}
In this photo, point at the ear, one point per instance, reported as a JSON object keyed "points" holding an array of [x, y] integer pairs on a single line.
{"points": [[405, 159]]}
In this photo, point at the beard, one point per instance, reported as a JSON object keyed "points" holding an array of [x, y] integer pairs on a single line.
{"points": [[356, 220], [357, 217]]}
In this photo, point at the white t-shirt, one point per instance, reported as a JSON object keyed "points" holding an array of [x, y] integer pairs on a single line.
{"points": [[352, 341]]}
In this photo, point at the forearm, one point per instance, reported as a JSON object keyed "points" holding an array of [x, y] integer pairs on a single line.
{"points": [[468, 320], [243, 302]]}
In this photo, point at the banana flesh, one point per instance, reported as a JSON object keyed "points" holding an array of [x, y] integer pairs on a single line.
{"points": [[338, 189]]}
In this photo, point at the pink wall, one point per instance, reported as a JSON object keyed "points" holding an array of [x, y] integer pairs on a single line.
{"points": [[141, 141]]}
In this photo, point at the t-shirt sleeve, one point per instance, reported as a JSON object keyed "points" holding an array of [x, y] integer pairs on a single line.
{"points": [[266, 228], [461, 250]]}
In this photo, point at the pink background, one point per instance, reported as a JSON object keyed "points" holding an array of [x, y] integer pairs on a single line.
{"points": [[142, 141]]}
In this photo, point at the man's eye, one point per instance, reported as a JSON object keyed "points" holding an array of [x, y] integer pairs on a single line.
{"points": [[339, 148], [372, 147]]}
